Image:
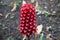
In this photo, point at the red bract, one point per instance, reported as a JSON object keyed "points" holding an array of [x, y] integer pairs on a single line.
{"points": [[27, 19]]}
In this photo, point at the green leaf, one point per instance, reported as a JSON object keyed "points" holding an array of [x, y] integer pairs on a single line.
{"points": [[12, 16], [17, 2], [58, 5], [42, 37], [10, 38], [2, 3], [38, 8], [1, 25], [45, 13], [4, 28]]}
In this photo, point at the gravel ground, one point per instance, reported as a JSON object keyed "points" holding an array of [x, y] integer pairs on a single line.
{"points": [[9, 25]]}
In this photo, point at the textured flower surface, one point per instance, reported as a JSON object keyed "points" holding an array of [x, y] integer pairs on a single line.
{"points": [[27, 19]]}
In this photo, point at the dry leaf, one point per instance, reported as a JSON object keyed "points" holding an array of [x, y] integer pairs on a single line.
{"points": [[39, 29], [48, 37], [32, 1], [24, 37], [14, 7], [47, 28], [7, 15], [37, 4], [51, 0], [0, 14], [24, 2]]}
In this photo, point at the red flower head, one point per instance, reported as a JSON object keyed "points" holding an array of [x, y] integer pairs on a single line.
{"points": [[27, 19]]}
